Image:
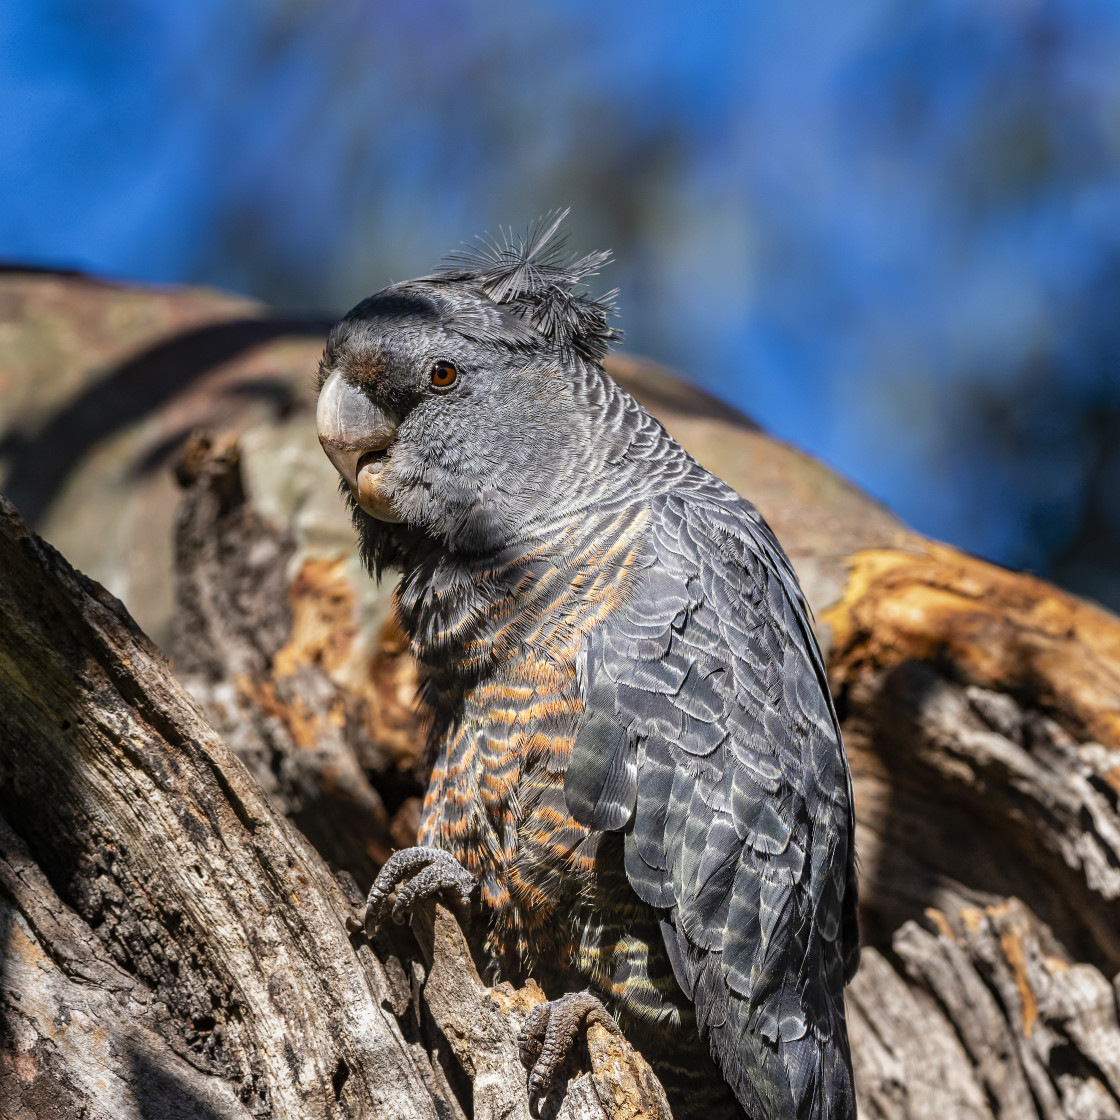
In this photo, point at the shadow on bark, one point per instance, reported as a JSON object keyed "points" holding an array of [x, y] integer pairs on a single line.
{"points": [[41, 460]]}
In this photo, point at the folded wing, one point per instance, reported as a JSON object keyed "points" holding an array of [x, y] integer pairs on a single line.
{"points": [[710, 739]]}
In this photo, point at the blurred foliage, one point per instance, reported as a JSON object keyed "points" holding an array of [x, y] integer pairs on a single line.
{"points": [[888, 230]]}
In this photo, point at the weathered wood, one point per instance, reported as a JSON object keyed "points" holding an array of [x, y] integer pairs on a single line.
{"points": [[172, 945], [980, 714], [259, 662]]}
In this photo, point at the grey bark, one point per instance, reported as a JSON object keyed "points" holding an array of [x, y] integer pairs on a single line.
{"points": [[973, 1005], [173, 945]]}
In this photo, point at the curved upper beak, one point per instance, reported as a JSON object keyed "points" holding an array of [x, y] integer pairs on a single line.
{"points": [[356, 436]]}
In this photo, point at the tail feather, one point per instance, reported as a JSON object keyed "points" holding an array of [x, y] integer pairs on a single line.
{"points": [[808, 1077]]}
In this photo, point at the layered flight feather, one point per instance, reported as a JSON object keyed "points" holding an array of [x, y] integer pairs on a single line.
{"points": [[710, 739]]}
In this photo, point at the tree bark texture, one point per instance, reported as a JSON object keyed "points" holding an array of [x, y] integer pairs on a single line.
{"points": [[174, 947], [980, 707]]}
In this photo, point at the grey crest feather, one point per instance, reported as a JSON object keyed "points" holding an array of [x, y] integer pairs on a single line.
{"points": [[533, 276]]}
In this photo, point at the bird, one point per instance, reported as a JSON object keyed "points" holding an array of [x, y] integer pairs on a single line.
{"points": [[638, 782]]}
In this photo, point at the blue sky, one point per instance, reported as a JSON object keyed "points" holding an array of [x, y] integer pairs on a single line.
{"points": [[889, 230]]}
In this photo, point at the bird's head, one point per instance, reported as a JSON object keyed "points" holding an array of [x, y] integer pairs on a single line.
{"points": [[453, 406]]}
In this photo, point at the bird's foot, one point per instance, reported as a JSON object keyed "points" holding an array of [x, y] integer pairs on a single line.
{"points": [[417, 874], [548, 1035]]}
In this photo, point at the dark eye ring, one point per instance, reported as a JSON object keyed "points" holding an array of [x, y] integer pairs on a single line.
{"points": [[444, 375]]}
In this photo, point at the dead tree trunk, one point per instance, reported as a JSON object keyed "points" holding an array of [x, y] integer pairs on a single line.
{"points": [[175, 948], [982, 716]]}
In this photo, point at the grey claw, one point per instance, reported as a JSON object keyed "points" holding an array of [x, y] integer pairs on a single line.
{"points": [[416, 874], [548, 1034], [530, 1041]]}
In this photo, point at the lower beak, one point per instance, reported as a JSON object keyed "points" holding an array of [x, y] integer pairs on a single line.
{"points": [[357, 435]]}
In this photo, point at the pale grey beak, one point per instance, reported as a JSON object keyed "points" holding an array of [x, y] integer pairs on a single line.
{"points": [[356, 435]]}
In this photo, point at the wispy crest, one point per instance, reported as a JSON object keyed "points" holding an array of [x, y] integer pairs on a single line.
{"points": [[534, 274]]}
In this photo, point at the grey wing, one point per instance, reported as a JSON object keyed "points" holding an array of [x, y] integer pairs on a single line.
{"points": [[709, 737]]}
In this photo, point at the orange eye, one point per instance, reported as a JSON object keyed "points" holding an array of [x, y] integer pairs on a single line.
{"points": [[443, 375]]}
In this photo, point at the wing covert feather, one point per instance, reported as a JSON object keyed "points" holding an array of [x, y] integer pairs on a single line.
{"points": [[709, 736]]}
